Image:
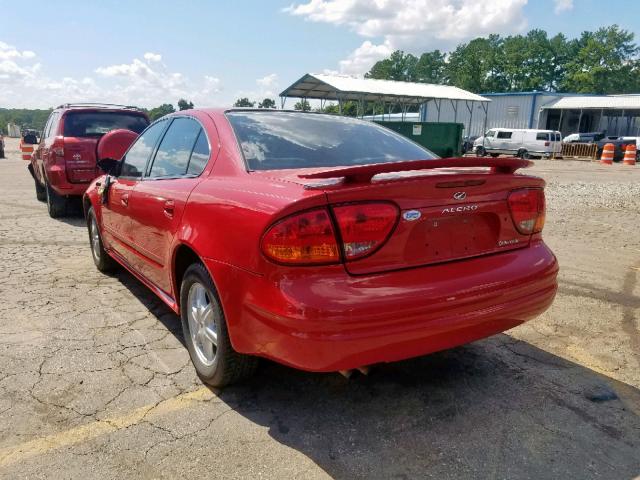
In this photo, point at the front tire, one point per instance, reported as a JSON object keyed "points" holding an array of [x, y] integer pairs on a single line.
{"points": [[206, 333], [481, 151], [101, 258], [56, 204]]}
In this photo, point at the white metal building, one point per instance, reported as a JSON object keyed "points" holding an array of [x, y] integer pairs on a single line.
{"points": [[566, 112]]}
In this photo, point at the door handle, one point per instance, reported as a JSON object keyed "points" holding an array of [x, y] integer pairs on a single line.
{"points": [[169, 206], [124, 200]]}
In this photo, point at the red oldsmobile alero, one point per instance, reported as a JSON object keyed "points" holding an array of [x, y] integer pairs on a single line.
{"points": [[322, 242]]}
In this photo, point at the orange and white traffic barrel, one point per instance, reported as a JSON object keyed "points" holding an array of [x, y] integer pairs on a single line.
{"points": [[630, 155], [26, 149], [607, 154]]}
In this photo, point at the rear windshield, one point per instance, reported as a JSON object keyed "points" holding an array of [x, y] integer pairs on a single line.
{"points": [[279, 140], [92, 124]]}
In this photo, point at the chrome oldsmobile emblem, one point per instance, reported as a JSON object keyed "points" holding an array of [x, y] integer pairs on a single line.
{"points": [[411, 215], [77, 156], [460, 195]]}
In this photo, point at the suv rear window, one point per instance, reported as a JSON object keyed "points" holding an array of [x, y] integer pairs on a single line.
{"points": [[279, 140], [93, 124]]}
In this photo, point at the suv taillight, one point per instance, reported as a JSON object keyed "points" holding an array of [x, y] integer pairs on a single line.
{"points": [[58, 146], [303, 238], [309, 238], [364, 227], [527, 208]]}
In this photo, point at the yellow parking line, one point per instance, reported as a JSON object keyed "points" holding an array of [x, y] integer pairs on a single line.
{"points": [[94, 429]]}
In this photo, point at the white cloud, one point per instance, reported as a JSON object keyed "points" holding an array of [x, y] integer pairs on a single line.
{"points": [[563, 6], [363, 57], [412, 25], [268, 81], [152, 57], [144, 82]]}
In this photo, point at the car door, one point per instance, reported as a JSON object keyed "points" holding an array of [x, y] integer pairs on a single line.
{"points": [[115, 213], [45, 154], [503, 141], [489, 140], [159, 200]]}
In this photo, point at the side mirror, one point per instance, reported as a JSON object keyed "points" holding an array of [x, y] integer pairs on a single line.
{"points": [[112, 147]]}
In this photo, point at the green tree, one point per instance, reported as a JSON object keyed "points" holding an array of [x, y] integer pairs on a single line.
{"points": [[161, 111], [605, 62], [302, 105], [244, 102], [399, 66], [184, 104], [431, 67], [478, 66], [267, 103]]}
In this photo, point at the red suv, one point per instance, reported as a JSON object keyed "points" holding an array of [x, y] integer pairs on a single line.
{"points": [[64, 163], [326, 243]]}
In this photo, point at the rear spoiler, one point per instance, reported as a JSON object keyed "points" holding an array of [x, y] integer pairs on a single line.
{"points": [[364, 173]]}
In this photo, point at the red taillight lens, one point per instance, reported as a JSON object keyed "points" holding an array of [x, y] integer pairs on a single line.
{"points": [[58, 146], [364, 227], [304, 238], [546, 144], [527, 210]]}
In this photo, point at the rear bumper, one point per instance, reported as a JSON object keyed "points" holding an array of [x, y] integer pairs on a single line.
{"points": [[57, 178], [336, 321]]}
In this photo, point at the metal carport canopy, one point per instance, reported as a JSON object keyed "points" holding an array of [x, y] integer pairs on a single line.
{"points": [[343, 88], [615, 102]]}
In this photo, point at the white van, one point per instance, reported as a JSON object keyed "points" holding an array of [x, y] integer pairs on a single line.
{"points": [[524, 143]]}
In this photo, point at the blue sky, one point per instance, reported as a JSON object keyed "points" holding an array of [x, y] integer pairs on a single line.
{"points": [[149, 52]]}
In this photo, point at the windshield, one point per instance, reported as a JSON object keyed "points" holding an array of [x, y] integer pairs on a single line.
{"points": [[90, 124], [279, 140]]}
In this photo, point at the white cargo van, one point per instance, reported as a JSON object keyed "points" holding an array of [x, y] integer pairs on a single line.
{"points": [[525, 143]]}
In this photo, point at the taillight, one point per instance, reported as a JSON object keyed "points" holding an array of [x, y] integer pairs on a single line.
{"points": [[58, 146], [546, 144], [303, 238], [527, 210], [364, 227]]}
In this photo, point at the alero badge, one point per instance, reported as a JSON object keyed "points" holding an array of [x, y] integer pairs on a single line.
{"points": [[411, 215]]}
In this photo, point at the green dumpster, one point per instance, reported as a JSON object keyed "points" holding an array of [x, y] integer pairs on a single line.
{"points": [[443, 139]]}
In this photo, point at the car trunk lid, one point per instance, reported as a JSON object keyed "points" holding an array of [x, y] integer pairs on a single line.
{"points": [[449, 209]]}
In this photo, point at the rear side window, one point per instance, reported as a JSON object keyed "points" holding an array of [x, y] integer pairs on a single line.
{"points": [[504, 134], [277, 140], [136, 158], [543, 136], [200, 155], [92, 124], [172, 158]]}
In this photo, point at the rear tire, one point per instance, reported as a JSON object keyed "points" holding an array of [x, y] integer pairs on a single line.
{"points": [[56, 204], [524, 154], [101, 258], [206, 334], [41, 192], [495, 155]]}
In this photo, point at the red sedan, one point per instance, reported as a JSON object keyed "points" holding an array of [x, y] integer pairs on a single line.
{"points": [[322, 242]]}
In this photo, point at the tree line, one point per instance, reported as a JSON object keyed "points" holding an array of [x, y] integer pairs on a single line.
{"points": [[602, 62]]}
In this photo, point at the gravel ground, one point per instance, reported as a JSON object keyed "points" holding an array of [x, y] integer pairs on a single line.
{"points": [[95, 381]]}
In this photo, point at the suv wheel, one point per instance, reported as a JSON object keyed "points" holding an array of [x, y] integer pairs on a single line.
{"points": [[56, 204], [101, 258], [205, 332], [41, 192], [481, 151]]}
